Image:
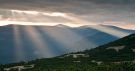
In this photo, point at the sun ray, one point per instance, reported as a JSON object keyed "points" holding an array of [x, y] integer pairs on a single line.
{"points": [[110, 31], [35, 37], [67, 38], [19, 53]]}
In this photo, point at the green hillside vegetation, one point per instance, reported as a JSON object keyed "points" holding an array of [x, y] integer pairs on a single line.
{"points": [[103, 58], [102, 53]]}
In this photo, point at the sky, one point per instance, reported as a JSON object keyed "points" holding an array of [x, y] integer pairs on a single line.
{"points": [[74, 13]]}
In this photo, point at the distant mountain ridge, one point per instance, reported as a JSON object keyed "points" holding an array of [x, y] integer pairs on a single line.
{"points": [[118, 55], [59, 39]]}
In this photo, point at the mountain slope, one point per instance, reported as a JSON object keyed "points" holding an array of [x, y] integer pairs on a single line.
{"points": [[25, 41], [120, 50], [115, 56]]}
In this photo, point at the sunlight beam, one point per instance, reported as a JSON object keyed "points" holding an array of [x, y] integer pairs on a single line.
{"points": [[41, 46], [68, 38], [110, 31], [19, 53], [33, 18]]}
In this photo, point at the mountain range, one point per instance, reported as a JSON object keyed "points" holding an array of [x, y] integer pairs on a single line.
{"points": [[118, 55], [32, 42]]}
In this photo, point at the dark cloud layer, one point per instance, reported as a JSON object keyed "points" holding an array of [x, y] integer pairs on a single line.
{"points": [[96, 1], [75, 6], [113, 1], [91, 10]]}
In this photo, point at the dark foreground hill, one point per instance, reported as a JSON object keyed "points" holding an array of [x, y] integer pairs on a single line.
{"points": [[19, 42], [114, 56], [120, 50]]}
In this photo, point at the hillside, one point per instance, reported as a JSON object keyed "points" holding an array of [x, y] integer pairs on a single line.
{"points": [[120, 50], [22, 43], [115, 56]]}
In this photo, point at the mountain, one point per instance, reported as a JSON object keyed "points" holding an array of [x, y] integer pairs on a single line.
{"points": [[117, 51], [22, 43], [120, 50], [118, 55]]}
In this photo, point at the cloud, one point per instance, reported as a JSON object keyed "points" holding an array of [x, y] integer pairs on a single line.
{"points": [[98, 11], [114, 1]]}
